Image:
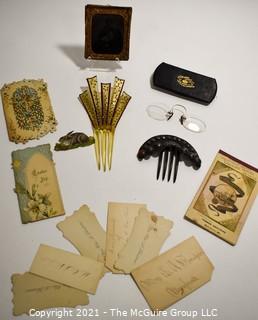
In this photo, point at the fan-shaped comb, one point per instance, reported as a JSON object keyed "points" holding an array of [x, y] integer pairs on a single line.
{"points": [[104, 109], [169, 149]]}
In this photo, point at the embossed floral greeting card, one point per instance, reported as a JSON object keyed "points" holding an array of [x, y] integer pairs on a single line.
{"points": [[36, 184], [28, 110]]}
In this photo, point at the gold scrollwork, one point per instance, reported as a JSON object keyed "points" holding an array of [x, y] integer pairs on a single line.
{"points": [[185, 81]]}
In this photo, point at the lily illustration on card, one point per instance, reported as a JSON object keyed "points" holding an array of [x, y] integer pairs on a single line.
{"points": [[36, 184], [39, 205]]}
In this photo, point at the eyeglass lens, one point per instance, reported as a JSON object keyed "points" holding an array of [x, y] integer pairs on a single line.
{"points": [[190, 123]]}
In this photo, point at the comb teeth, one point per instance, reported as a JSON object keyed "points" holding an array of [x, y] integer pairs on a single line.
{"points": [[170, 163], [104, 141], [166, 161], [104, 109], [97, 147], [159, 164], [177, 156]]}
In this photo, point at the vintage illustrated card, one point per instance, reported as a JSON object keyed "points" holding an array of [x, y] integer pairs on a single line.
{"points": [[224, 199], [147, 237], [173, 275], [36, 184], [34, 292], [67, 268], [83, 230], [120, 223], [28, 111]]}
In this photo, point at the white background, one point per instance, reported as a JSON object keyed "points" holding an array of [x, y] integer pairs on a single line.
{"points": [[45, 39]]}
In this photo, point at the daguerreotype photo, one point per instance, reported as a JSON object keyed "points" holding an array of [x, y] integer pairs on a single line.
{"points": [[107, 32]]}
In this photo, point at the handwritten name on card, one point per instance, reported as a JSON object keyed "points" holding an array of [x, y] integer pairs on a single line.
{"points": [[83, 230], [147, 237], [67, 268], [120, 223], [31, 291], [174, 274]]}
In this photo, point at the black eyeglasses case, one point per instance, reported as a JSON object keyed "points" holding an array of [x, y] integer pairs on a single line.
{"points": [[184, 83]]}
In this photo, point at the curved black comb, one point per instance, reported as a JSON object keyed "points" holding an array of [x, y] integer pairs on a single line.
{"points": [[169, 149]]}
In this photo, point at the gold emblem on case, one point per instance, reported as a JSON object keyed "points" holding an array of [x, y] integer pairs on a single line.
{"points": [[185, 82]]}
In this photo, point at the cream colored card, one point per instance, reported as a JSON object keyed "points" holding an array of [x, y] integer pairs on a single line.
{"points": [[28, 110], [147, 237], [34, 292], [67, 268], [225, 197], [120, 223], [174, 274], [83, 230]]}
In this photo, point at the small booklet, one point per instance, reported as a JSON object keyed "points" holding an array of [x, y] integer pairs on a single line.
{"points": [[224, 199], [36, 184]]}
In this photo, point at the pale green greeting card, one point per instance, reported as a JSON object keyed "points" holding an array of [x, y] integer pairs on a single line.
{"points": [[36, 184]]}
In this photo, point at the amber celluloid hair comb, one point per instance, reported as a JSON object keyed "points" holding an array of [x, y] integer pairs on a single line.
{"points": [[104, 108], [170, 150]]}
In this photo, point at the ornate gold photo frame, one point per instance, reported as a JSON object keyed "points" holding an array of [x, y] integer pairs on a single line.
{"points": [[107, 32]]}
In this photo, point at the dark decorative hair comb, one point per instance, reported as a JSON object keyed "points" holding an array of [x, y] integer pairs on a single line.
{"points": [[170, 150]]}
